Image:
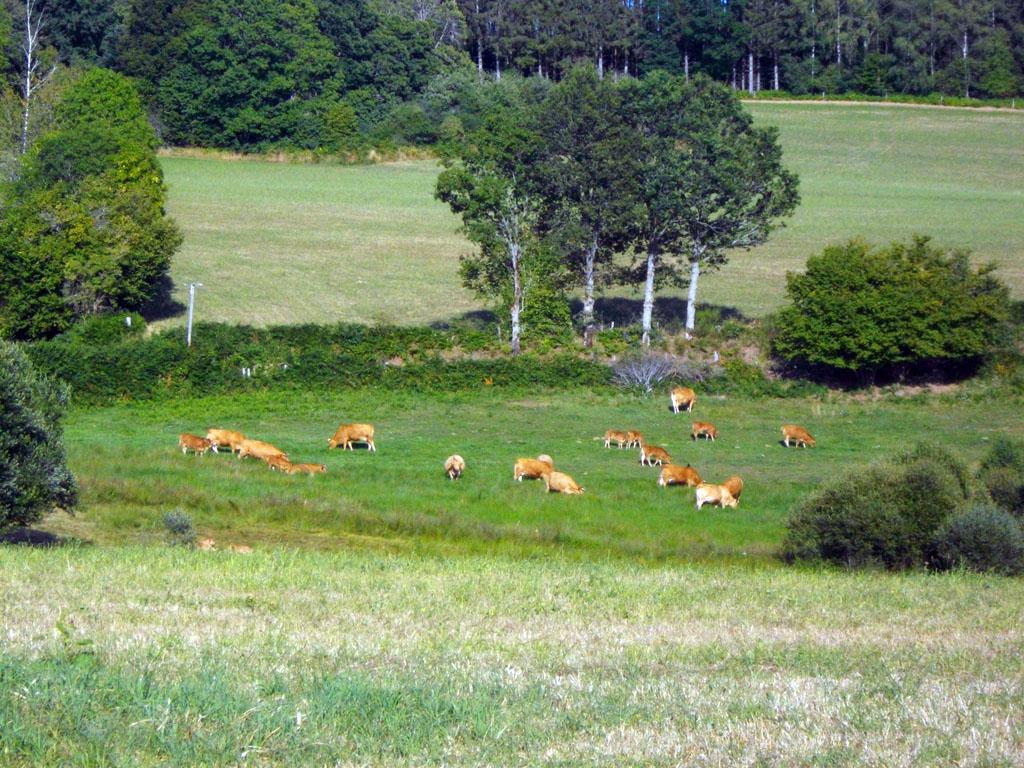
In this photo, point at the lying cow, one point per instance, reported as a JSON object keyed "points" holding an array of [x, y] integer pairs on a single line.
{"points": [[672, 474], [715, 495], [347, 434], [454, 466], [228, 438], [195, 443], [682, 397], [703, 429], [799, 435], [559, 482], [309, 469], [532, 469]]}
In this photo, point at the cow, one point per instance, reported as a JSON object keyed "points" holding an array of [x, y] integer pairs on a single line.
{"points": [[799, 435], [454, 466], [199, 445], [559, 482], [735, 487], [703, 429], [715, 495], [532, 469], [347, 434], [682, 397], [615, 436], [672, 474], [309, 469], [206, 545], [225, 437], [279, 463], [653, 454], [242, 549], [259, 449], [633, 438]]}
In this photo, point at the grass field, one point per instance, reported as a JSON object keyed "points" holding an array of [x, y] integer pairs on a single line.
{"points": [[279, 243], [398, 499], [156, 657]]}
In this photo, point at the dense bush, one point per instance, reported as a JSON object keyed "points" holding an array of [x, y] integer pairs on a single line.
{"points": [[34, 477], [984, 538], [1002, 474], [181, 531], [885, 515], [863, 312]]}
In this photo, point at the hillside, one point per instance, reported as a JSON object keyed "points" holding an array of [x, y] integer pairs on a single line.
{"points": [[287, 243]]}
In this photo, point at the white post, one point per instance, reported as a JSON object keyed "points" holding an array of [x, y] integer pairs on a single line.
{"points": [[191, 306]]}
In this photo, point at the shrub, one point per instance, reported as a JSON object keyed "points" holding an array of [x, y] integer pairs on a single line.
{"points": [[1002, 474], [885, 515], [863, 312], [181, 532], [984, 538], [34, 477]]}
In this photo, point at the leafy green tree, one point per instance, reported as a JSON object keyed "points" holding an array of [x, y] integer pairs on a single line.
{"points": [[998, 78], [488, 183], [862, 311], [34, 477]]}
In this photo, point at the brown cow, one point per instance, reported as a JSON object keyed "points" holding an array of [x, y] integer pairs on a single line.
{"points": [[735, 487], [278, 462], [195, 443], [799, 435], [703, 429], [259, 449], [532, 469], [653, 454], [347, 434], [454, 466], [225, 437], [615, 436], [682, 397], [559, 482], [672, 474], [309, 469], [715, 495], [206, 545], [633, 438], [242, 549]]}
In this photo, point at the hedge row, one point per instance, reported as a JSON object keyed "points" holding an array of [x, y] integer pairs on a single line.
{"points": [[103, 367]]}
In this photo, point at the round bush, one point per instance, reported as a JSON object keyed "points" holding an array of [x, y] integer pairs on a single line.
{"points": [[1006, 487], [984, 538]]}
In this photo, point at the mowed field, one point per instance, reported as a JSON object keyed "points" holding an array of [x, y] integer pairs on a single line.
{"points": [[399, 499], [285, 243]]}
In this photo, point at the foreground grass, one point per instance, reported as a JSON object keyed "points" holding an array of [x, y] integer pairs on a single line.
{"points": [[279, 243], [131, 473], [155, 656]]}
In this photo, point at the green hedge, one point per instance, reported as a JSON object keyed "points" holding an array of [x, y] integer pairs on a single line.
{"points": [[300, 356]]}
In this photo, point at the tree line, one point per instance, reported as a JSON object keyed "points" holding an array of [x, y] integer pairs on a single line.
{"points": [[328, 74]]}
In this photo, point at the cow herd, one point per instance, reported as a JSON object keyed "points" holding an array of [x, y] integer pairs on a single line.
{"points": [[725, 494]]}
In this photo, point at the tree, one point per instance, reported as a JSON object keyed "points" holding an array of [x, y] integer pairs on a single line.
{"points": [[34, 478], [39, 65], [863, 311], [487, 182]]}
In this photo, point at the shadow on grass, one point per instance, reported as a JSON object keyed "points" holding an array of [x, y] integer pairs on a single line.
{"points": [[30, 537], [163, 306]]}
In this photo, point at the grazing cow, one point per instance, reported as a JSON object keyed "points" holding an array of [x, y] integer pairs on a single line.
{"points": [[559, 482], [347, 434], [242, 549], [653, 454], [715, 495], [703, 429], [309, 469], [454, 466], [278, 462], [617, 437], [735, 487], [195, 443], [672, 474], [633, 438], [532, 469], [682, 397], [225, 437], [259, 450], [799, 435], [206, 545]]}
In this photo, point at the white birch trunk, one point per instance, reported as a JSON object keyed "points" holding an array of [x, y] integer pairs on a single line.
{"points": [[691, 294], [686, 65], [967, 81], [648, 297], [517, 296], [589, 264], [775, 75], [750, 72], [600, 62]]}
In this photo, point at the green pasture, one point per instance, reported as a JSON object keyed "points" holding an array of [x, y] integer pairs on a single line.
{"points": [[285, 243], [150, 656], [399, 499]]}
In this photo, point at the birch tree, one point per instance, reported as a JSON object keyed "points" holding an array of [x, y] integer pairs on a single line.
{"points": [[36, 71]]}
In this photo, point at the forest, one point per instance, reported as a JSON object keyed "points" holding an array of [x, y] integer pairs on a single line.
{"points": [[330, 75]]}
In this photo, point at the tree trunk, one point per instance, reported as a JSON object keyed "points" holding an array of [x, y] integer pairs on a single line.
{"points": [[649, 297], [686, 64], [590, 260], [750, 72], [497, 65], [479, 57], [600, 62], [839, 44], [967, 78], [691, 294], [517, 296], [775, 73]]}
